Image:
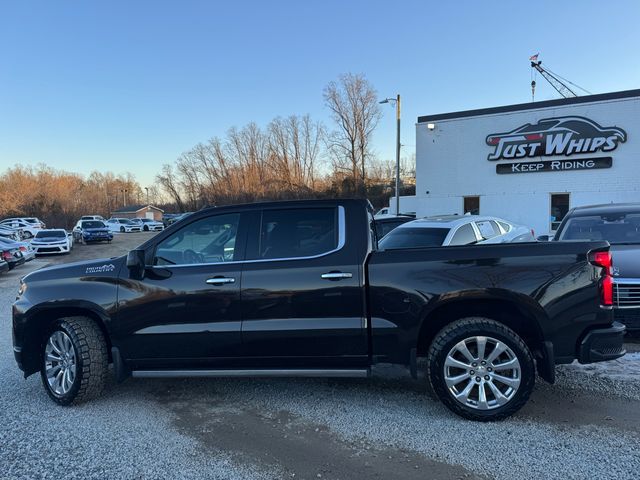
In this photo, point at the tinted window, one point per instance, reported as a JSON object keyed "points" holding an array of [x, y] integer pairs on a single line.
{"points": [[208, 240], [55, 234], [414, 238], [92, 224], [464, 236], [382, 228], [297, 232], [616, 228]]}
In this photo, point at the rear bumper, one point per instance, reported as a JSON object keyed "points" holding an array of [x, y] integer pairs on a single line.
{"points": [[602, 344]]}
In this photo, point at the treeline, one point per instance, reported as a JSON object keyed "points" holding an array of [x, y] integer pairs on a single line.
{"points": [[294, 157], [59, 198]]}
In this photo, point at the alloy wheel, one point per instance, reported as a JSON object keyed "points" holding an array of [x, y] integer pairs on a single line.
{"points": [[482, 372], [60, 363]]}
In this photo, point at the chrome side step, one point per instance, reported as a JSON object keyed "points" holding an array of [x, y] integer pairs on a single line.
{"points": [[344, 373]]}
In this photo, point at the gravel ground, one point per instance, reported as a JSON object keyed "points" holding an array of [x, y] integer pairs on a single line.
{"points": [[585, 426]]}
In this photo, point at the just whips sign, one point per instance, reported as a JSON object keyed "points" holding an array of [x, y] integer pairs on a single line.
{"points": [[553, 137]]}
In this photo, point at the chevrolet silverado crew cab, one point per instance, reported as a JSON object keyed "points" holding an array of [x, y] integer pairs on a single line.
{"points": [[301, 289]]}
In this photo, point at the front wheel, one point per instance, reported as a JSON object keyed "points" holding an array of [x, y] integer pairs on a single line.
{"points": [[480, 369], [74, 361], [146, 229], [121, 229]]}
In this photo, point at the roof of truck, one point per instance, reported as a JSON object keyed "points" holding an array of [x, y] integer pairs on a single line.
{"points": [[605, 208]]}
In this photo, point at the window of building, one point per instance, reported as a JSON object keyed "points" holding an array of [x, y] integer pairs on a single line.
{"points": [[472, 205], [559, 208]]}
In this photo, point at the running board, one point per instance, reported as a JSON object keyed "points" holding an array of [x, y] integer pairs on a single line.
{"points": [[360, 373]]}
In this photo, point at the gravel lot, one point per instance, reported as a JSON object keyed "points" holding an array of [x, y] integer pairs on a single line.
{"points": [[585, 426]]}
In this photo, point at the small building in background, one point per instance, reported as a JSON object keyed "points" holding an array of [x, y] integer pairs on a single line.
{"points": [[139, 211]]}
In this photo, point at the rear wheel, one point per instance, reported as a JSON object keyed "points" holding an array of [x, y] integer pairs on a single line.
{"points": [[146, 229], [481, 369], [122, 229], [74, 361]]}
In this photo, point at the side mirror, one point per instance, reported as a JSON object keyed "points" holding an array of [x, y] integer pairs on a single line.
{"points": [[136, 263], [544, 238]]}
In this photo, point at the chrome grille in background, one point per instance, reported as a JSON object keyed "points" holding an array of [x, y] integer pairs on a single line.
{"points": [[627, 294]]}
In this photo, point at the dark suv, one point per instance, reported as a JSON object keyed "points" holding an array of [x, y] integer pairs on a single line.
{"points": [[619, 224]]}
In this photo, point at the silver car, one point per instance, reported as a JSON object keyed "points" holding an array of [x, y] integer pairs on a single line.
{"points": [[451, 230]]}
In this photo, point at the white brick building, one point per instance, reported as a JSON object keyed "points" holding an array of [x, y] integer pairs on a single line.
{"points": [[529, 163]]}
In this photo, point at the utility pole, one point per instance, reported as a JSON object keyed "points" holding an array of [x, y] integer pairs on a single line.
{"points": [[147, 190], [397, 102], [398, 155]]}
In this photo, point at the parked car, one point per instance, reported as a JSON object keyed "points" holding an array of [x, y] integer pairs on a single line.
{"points": [[385, 212], [619, 224], [87, 231], [180, 216], [169, 218], [26, 229], [25, 247], [4, 266], [9, 233], [452, 230], [300, 289], [12, 255], [32, 220], [53, 240], [148, 224], [92, 217], [387, 223], [122, 225]]}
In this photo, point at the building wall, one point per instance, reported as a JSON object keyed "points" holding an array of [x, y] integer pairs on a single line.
{"points": [[451, 162], [157, 214]]}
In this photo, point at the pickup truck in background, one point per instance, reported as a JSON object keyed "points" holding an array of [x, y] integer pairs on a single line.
{"points": [[300, 288], [618, 224]]}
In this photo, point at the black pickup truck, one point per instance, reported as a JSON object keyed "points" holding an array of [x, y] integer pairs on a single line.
{"points": [[301, 289]]}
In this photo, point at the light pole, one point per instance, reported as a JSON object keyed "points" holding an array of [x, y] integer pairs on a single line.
{"points": [[397, 102]]}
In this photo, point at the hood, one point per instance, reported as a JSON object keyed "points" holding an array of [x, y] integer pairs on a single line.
{"points": [[104, 267], [626, 261]]}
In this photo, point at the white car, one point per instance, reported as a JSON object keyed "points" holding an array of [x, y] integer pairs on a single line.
{"points": [[451, 230], [148, 224], [122, 225], [55, 240], [25, 247], [27, 229]]}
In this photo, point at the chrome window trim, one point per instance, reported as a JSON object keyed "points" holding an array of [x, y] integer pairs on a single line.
{"points": [[342, 240]]}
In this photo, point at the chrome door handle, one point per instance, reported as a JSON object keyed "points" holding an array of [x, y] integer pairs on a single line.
{"points": [[220, 280], [335, 275]]}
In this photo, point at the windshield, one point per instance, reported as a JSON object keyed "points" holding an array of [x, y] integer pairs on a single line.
{"points": [[414, 238], [52, 234], [615, 228], [92, 224]]}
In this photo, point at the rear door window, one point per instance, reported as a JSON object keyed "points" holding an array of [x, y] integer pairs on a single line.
{"points": [[465, 235], [488, 229], [296, 233]]}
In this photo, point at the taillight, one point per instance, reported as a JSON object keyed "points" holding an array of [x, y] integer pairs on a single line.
{"points": [[6, 255], [23, 249], [604, 260]]}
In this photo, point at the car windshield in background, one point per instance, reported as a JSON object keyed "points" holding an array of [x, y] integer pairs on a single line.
{"points": [[92, 224], [615, 228], [53, 234], [414, 238]]}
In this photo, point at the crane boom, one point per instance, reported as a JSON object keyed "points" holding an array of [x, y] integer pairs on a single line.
{"points": [[555, 82]]}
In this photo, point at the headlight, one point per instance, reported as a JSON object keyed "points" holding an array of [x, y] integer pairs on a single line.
{"points": [[22, 288]]}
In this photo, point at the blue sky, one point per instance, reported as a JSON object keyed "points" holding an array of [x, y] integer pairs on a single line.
{"points": [[128, 86]]}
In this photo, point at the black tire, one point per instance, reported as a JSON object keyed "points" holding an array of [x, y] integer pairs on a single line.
{"points": [[91, 356], [145, 228], [121, 229], [466, 329]]}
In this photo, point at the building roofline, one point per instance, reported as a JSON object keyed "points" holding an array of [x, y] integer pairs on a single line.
{"points": [[531, 105]]}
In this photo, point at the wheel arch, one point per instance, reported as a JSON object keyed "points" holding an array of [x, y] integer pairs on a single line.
{"points": [[38, 323], [518, 312]]}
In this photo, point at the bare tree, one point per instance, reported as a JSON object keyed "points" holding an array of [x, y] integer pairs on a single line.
{"points": [[356, 113]]}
